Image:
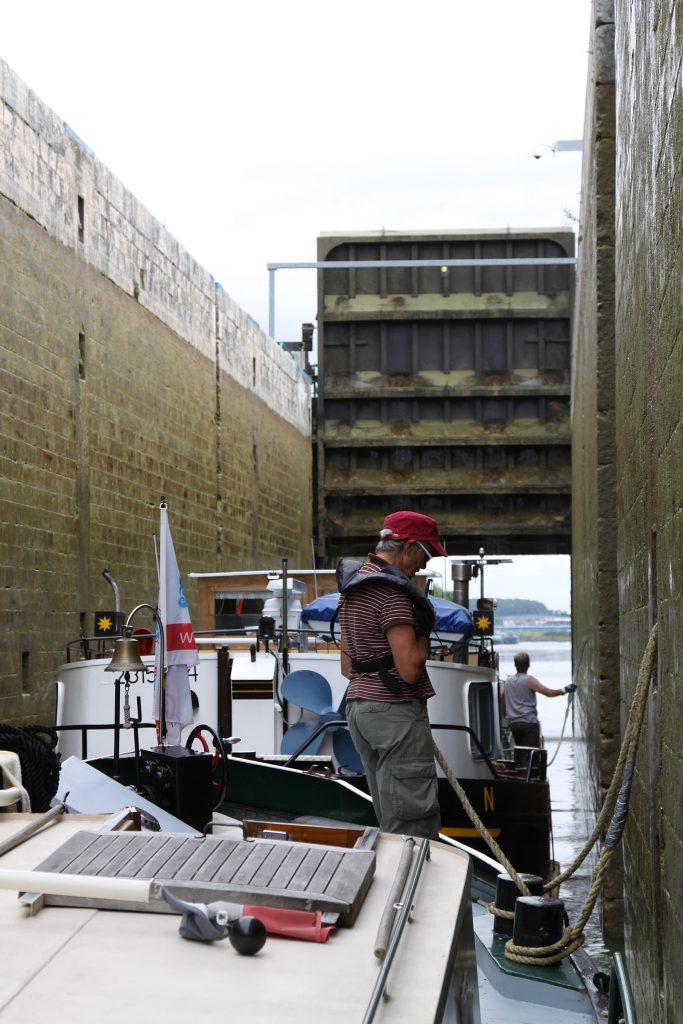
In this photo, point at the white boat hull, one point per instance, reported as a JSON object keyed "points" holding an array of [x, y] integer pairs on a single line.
{"points": [[464, 696]]}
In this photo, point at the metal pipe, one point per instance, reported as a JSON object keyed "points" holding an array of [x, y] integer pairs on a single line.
{"points": [[530, 261], [406, 907], [461, 574], [391, 907], [285, 620], [33, 826], [112, 583], [162, 665], [271, 301], [117, 724], [331, 724]]}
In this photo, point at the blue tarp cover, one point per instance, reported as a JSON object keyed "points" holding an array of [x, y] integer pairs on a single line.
{"points": [[450, 617]]}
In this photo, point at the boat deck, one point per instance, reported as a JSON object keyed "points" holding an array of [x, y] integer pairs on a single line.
{"points": [[79, 964], [539, 994]]}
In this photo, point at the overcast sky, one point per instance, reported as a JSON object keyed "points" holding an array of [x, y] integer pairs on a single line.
{"points": [[250, 128]]}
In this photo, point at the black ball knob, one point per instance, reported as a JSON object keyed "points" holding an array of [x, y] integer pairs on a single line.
{"points": [[247, 935]]}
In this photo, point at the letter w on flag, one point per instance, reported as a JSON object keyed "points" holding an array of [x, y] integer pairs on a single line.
{"points": [[181, 647]]}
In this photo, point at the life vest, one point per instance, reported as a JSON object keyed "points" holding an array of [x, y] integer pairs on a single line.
{"points": [[349, 578]]}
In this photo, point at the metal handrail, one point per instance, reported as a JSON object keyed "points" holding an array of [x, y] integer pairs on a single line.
{"points": [[473, 736], [406, 907], [84, 729], [621, 1004], [336, 723]]}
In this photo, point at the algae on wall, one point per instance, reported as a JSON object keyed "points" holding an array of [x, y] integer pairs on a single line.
{"points": [[640, 555], [127, 374]]}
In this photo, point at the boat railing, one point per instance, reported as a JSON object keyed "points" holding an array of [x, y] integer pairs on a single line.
{"points": [[406, 907], [85, 728], [536, 754], [90, 647], [475, 739], [332, 724], [341, 722], [621, 1004]]}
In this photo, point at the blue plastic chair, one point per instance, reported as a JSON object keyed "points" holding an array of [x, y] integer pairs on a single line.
{"points": [[311, 691]]}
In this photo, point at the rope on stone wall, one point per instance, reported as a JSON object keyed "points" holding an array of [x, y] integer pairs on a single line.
{"points": [[614, 809], [35, 746], [617, 801]]}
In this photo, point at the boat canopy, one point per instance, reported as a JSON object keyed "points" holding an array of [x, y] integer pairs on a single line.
{"points": [[453, 622]]}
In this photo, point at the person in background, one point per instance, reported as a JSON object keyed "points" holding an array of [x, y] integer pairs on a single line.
{"points": [[385, 622], [518, 702]]}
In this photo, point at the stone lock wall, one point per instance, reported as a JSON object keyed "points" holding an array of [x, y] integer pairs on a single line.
{"points": [[595, 607], [628, 468], [126, 373], [649, 479]]}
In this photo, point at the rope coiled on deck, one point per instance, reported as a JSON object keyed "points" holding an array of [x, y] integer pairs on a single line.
{"points": [[35, 746]]}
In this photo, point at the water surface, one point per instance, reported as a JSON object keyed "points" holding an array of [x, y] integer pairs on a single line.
{"points": [[551, 664]]}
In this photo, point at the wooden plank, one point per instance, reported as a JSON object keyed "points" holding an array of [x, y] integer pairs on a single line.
{"points": [[119, 862], [332, 835], [308, 867], [325, 874], [269, 868], [285, 873], [62, 858], [216, 859], [99, 858], [198, 854], [271, 873], [258, 853]]}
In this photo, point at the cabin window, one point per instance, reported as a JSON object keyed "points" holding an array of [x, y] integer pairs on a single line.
{"points": [[481, 719], [239, 610]]}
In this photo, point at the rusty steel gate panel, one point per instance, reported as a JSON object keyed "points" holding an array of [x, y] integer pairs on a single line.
{"points": [[445, 390]]}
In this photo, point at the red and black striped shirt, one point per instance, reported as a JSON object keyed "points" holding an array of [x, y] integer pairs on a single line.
{"points": [[365, 615]]}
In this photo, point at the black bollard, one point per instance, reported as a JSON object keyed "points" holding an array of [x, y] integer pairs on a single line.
{"points": [[506, 894], [539, 921]]}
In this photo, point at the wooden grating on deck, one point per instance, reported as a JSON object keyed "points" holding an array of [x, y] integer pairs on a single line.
{"points": [[276, 873]]}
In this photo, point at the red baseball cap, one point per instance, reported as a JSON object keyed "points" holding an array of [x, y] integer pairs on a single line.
{"points": [[415, 526]]}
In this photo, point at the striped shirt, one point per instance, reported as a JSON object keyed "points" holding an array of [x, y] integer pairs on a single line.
{"points": [[365, 615]]}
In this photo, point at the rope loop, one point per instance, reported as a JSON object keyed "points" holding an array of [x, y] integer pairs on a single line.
{"points": [[573, 938], [545, 955]]}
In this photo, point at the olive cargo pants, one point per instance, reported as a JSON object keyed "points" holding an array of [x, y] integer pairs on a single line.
{"points": [[395, 745]]}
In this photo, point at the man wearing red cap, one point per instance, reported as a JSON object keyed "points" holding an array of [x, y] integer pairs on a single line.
{"points": [[385, 625]]}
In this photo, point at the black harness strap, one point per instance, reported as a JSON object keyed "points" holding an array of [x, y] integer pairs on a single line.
{"points": [[379, 665]]}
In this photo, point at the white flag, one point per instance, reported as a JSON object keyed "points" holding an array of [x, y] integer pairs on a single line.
{"points": [[181, 647]]}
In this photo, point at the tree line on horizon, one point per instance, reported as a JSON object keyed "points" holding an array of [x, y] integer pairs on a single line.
{"points": [[513, 606]]}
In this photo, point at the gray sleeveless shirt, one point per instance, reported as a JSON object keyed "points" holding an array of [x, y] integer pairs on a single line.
{"points": [[520, 701]]}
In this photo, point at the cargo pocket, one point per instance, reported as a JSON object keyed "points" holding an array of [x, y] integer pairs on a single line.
{"points": [[414, 792]]}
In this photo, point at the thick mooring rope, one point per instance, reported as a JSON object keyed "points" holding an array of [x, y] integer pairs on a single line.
{"points": [[617, 798], [619, 790], [479, 824]]}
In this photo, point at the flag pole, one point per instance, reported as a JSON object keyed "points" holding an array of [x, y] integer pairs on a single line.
{"points": [[163, 530]]}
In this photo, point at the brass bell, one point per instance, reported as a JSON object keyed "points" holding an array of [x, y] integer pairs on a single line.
{"points": [[126, 657]]}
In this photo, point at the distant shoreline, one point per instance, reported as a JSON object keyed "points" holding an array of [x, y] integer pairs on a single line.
{"points": [[523, 635]]}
